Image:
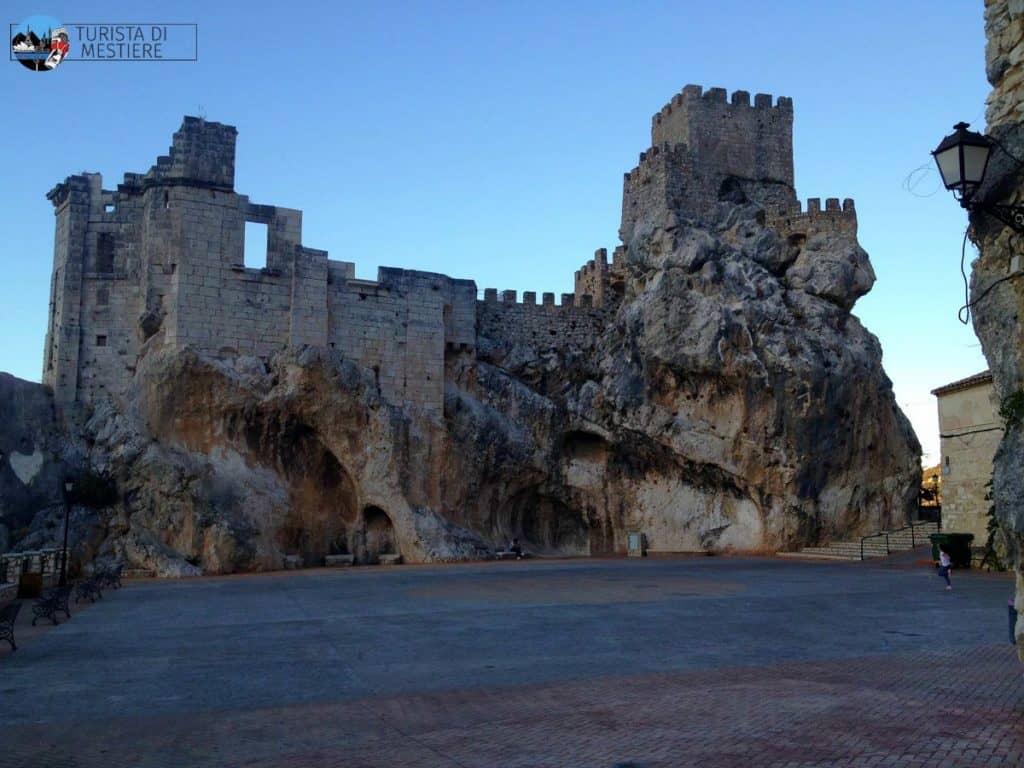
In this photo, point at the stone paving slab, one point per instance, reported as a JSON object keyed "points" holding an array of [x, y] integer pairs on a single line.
{"points": [[735, 662], [892, 710]]}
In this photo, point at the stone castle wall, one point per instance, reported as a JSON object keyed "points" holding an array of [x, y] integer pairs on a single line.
{"points": [[601, 280], [574, 322], [731, 136], [707, 148], [161, 260], [834, 218], [163, 257]]}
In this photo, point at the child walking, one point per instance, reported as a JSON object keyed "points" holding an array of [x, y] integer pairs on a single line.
{"points": [[945, 563]]}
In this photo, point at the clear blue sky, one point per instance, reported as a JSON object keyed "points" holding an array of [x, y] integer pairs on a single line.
{"points": [[488, 140]]}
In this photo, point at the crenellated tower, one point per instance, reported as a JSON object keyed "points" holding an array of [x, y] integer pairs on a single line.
{"points": [[708, 148]]}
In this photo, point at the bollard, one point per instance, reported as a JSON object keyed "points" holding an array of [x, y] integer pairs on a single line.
{"points": [[1012, 613]]}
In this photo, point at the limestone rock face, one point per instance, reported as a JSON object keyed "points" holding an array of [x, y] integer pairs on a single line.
{"points": [[999, 300], [32, 448], [709, 388], [733, 404]]}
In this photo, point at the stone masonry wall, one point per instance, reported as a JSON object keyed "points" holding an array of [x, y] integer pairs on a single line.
{"points": [[592, 277], [706, 149], [732, 137], [163, 256], [399, 326], [544, 325], [666, 178], [834, 218], [91, 344]]}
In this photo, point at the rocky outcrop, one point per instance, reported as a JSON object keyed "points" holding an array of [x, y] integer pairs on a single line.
{"points": [[734, 404], [709, 388], [34, 456], [996, 294]]}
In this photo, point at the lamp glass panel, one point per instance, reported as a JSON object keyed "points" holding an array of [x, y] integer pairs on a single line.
{"points": [[948, 161], [974, 163]]}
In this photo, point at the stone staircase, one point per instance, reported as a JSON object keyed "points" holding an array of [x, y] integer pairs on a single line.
{"points": [[876, 545]]}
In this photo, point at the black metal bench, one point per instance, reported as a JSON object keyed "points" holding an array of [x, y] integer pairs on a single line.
{"points": [[7, 616], [88, 588], [109, 578], [49, 604]]}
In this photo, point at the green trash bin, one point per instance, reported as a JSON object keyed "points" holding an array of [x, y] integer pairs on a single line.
{"points": [[957, 545]]}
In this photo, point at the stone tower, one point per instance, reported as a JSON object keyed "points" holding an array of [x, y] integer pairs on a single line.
{"points": [[705, 149], [117, 256]]}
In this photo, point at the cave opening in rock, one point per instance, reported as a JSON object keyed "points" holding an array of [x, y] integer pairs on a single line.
{"points": [[545, 524], [586, 446], [324, 511], [378, 535]]}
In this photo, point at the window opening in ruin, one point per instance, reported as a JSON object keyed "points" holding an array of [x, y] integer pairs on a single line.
{"points": [[105, 252], [101, 341], [255, 245], [167, 200], [109, 208]]}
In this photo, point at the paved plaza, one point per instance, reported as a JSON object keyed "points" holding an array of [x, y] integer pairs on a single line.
{"points": [[589, 663]]}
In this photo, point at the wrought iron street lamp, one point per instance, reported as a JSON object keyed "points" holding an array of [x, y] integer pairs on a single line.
{"points": [[963, 158], [69, 486]]}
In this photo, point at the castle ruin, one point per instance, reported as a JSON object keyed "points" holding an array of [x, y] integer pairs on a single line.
{"points": [[160, 260], [704, 383]]}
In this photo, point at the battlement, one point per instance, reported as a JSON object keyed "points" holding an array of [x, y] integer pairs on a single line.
{"points": [[814, 220], [730, 137], [507, 299], [693, 98], [596, 276], [708, 148], [654, 159], [508, 322]]}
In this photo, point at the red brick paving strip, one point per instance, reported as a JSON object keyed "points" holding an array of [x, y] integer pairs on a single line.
{"points": [[962, 709]]}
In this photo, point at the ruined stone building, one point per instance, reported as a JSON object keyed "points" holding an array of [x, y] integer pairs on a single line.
{"points": [[706, 385], [164, 253]]}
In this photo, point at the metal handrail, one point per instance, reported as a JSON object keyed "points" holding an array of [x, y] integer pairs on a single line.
{"points": [[918, 524], [874, 536], [888, 551]]}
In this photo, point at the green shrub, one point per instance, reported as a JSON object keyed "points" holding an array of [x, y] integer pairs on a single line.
{"points": [[1012, 408]]}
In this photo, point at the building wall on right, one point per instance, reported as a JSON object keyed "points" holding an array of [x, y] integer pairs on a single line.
{"points": [[970, 430]]}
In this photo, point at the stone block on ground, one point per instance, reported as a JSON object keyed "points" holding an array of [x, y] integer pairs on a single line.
{"points": [[138, 573], [339, 561]]}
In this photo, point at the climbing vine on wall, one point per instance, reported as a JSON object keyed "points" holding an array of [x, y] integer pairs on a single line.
{"points": [[1011, 409], [996, 550]]}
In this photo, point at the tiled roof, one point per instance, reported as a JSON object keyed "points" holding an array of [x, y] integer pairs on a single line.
{"points": [[985, 377]]}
